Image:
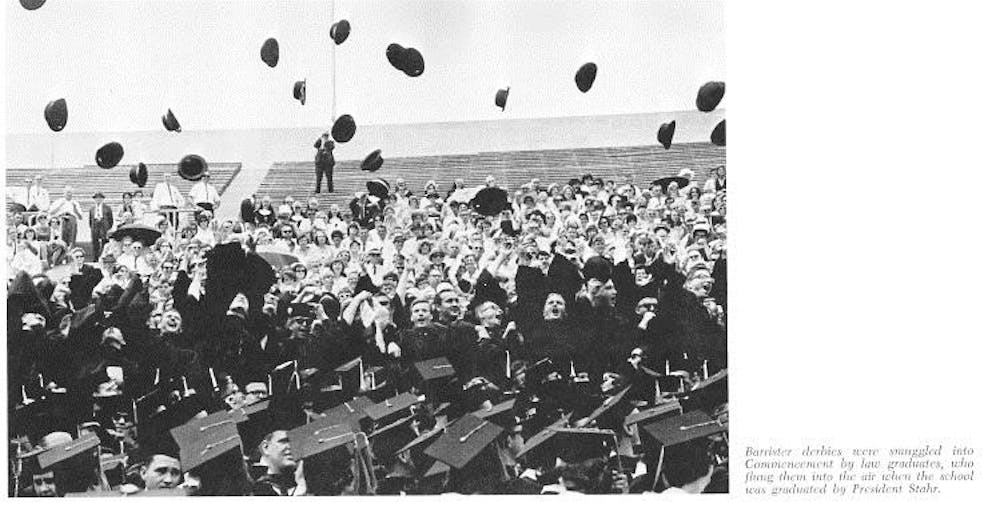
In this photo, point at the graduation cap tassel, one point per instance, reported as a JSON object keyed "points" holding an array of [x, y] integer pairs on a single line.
{"points": [[704, 370], [41, 382], [572, 369], [666, 367], [507, 369], [657, 383], [269, 388], [215, 384], [156, 380]]}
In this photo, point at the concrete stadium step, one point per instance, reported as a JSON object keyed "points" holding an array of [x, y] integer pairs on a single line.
{"points": [[642, 164]]}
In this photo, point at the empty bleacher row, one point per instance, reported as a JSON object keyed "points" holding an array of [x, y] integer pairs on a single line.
{"points": [[639, 165], [88, 180]]}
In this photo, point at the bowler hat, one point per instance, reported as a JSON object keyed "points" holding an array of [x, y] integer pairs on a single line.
{"points": [[139, 175], [343, 128], [709, 96], [719, 134], [339, 31], [170, 122], [585, 77], [55, 114], [269, 52], [109, 155], [373, 161], [666, 134], [299, 91], [501, 98], [192, 167]]}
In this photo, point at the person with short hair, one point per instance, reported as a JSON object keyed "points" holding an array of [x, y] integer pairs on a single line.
{"points": [[280, 478], [101, 220], [69, 212], [160, 471], [204, 195], [324, 162]]}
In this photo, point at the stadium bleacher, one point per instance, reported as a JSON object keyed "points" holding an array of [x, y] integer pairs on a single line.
{"points": [[87, 180], [642, 164]]}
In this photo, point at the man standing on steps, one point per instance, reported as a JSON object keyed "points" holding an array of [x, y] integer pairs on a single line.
{"points": [[167, 198], [324, 162], [101, 222], [69, 211]]}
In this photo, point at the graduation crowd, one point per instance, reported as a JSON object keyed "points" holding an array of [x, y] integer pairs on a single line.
{"points": [[563, 338]]}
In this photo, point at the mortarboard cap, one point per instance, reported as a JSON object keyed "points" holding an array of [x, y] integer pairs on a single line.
{"points": [[269, 52], [709, 393], [608, 404], [204, 439], [62, 452], [139, 174], [463, 441], [343, 128], [709, 96], [719, 134], [385, 410], [339, 31], [495, 410], [109, 155], [387, 440], [299, 91], [683, 428], [665, 135], [351, 412], [437, 368], [669, 408], [56, 114], [321, 435], [192, 167], [372, 161], [501, 98], [585, 77], [439, 467], [170, 122]]}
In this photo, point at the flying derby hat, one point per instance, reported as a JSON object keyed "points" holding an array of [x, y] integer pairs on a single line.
{"points": [[139, 175], [501, 98], [192, 167], [719, 134], [709, 96], [109, 155], [339, 31], [55, 114], [379, 188], [31, 5], [373, 161], [269, 52], [299, 91], [490, 201], [407, 60], [343, 128], [666, 134], [170, 122], [585, 77]]}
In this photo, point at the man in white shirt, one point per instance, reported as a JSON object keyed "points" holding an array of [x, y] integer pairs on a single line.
{"points": [[69, 211], [204, 195], [38, 197], [167, 197]]}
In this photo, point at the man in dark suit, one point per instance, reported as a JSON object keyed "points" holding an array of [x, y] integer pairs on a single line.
{"points": [[101, 220], [324, 162]]}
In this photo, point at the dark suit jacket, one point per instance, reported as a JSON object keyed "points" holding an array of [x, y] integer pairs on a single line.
{"points": [[103, 225]]}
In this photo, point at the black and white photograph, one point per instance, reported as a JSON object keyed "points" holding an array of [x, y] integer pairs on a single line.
{"points": [[361, 248]]}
